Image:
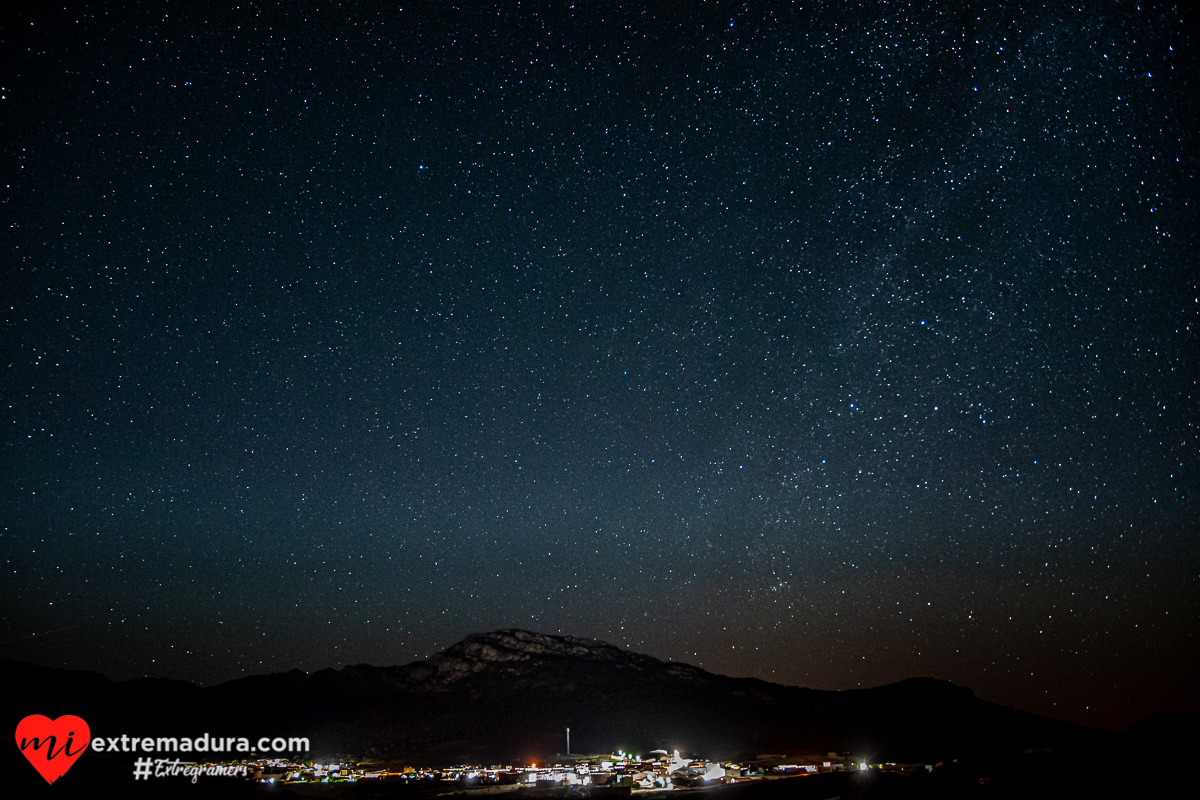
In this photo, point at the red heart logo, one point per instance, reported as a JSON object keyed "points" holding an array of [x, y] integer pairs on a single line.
{"points": [[52, 745]]}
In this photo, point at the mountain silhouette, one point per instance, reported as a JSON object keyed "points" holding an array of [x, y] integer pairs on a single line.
{"points": [[508, 696]]}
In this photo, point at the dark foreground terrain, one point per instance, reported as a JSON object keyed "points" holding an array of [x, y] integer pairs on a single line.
{"points": [[1020, 776], [505, 697]]}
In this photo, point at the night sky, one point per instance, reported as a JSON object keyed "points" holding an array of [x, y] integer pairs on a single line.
{"points": [[830, 345]]}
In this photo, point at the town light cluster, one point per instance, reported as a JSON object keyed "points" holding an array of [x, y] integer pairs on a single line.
{"points": [[658, 770]]}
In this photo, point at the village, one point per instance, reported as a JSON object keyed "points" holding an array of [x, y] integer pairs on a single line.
{"points": [[623, 772]]}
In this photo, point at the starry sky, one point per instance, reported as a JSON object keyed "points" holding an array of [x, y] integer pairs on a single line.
{"points": [[830, 344]]}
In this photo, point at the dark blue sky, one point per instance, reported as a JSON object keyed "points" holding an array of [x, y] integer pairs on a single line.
{"points": [[831, 346]]}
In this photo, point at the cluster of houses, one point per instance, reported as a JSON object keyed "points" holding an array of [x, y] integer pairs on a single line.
{"points": [[659, 770]]}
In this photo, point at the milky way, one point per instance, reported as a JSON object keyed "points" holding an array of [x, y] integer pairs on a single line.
{"points": [[830, 346]]}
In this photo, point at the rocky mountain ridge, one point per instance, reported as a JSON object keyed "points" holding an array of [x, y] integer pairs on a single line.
{"points": [[509, 695]]}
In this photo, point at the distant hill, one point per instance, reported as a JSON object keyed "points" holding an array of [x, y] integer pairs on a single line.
{"points": [[508, 695]]}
